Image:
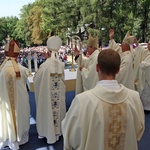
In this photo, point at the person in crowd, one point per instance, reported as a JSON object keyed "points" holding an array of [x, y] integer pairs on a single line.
{"points": [[68, 50], [14, 100], [86, 73], [143, 83], [125, 75], [49, 87], [109, 116]]}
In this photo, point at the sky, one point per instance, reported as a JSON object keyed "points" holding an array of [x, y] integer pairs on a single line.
{"points": [[12, 7]]}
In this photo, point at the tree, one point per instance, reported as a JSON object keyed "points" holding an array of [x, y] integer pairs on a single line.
{"points": [[7, 26], [3, 30], [39, 19], [34, 23], [143, 15], [51, 15], [22, 28]]}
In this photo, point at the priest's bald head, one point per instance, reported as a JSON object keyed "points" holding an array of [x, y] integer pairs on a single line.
{"points": [[108, 64]]}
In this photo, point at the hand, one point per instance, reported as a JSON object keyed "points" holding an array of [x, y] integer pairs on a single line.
{"points": [[46, 55], [81, 68], [111, 33], [76, 52]]}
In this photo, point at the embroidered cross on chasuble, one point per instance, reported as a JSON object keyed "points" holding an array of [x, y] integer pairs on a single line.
{"points": [[10, 82], [115, 116], [55, 100]]}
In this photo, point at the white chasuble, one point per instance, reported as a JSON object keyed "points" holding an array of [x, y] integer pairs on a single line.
{"points": [[139, 55], [81, 61], [125, 74], [89, 73], [115, 46], [50, 91], [104, 119], [14, 107], [143, 86]]}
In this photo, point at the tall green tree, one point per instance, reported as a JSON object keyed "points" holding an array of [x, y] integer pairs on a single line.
{"points": [[51, 15], [7, 27], [34, 23], [3, 30], [143, 19], [22, 29]]}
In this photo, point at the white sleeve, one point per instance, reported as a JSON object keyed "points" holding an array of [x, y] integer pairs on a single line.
{"points": [[70, 126], [113, 45]]}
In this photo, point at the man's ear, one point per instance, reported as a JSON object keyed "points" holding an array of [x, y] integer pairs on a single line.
{"points": [[118, 70], [97, 68]]}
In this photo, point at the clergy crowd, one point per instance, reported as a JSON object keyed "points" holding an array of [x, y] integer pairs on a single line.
{"points": [[107, 113]]}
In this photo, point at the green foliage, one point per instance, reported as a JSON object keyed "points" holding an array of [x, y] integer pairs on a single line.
{"points": [[39, 19], [7, 27], [22, 28], [34, 22]]}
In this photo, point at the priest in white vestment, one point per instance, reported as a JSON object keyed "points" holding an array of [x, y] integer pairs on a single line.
{"points": [[109, 116], [14, 100], [125, 75], [49, 87], [87, 70], [140, 53], [143, 84]]}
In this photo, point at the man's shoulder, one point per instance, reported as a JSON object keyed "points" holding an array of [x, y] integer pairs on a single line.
{"points": [[94, 55], [83, 95], [97, 51], [133, 93], [85, 100]]}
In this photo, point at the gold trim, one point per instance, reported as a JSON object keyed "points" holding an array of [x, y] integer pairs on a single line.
{"points": [[11, 93], [53, 74]]}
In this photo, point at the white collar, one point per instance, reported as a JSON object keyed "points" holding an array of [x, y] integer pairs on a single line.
{"points": [[109, 84]]}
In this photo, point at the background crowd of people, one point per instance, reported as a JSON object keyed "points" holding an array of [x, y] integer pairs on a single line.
{"points": [[63, 54]]}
